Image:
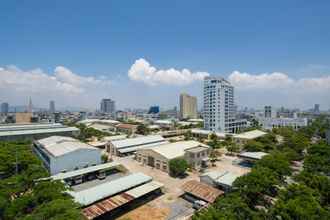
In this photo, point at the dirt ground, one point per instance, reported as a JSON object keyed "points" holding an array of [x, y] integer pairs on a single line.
{"points": [[146, 212]]}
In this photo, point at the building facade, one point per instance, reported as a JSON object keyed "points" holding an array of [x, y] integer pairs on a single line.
{"points": [[219, 108], [188, 106], [4, 107], [270, 112], [195, 153], [108, 106], [52, 106], [270, 123], [61, 154]]}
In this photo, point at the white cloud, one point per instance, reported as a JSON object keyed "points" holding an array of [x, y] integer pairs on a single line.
{"points": [[142, 71], [280, 90], [62, 85], [277, 80]]}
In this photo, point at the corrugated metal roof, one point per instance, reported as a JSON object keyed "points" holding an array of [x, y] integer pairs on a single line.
{"points": [[222, 177], [35, 130], [106, 205], [60, 145], [130, 142], [111, 203], [132, 149], [16, 127], [93, 194], [79, 172], [176, 149], [202, 191], [250, 134], [144, 189], [253, 155]]}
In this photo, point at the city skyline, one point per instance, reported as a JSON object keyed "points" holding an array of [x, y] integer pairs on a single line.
{"points": [[79, 58]]}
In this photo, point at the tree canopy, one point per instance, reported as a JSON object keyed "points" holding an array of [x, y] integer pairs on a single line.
{"points": [[178, 166], [22, 196]]}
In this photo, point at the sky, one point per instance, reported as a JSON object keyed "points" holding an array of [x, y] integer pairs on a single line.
{"points": [[144, 52]]}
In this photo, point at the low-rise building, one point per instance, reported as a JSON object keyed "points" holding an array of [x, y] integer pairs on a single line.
{"points": [[194, 190], [159, 157], [130, 145], [270, 123], [206, 133], [252, 156], [61, 154], [11, 132], [242, 138], [223, 180], [126, 128]]}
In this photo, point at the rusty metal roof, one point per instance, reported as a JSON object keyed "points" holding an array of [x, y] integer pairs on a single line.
{"points": [[202, 191], [114, 202], [106, 205]]}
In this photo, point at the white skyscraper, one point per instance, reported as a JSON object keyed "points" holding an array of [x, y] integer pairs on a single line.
{"points": [[219, 108]]}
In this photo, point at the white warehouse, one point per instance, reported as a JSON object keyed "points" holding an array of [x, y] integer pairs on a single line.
{"points": [[61, 154]]}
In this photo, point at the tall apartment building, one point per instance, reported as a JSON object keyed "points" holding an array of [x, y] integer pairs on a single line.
{"points": [[316, 108], [108, 106], [270, 112], [52, 106], [4, 107], [219, 108], [188, 106]]}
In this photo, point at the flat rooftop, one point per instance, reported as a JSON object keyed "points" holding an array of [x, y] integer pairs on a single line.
{"points": [[249, 135], [253, 155]]}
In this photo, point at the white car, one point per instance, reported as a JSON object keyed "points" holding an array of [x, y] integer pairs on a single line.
{"points": [[198, 204]]}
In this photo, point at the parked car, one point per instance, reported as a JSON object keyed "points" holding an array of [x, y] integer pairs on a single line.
{"points": [[198, 204]]}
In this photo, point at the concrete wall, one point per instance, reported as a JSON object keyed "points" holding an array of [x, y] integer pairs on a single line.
{"points": [[196, 160], [160, 162], [76, 159]]}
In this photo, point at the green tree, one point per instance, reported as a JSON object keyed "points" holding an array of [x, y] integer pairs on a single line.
{"points": [[254, 185], [21, 196], [230, 206], [299, 202], [317, 182], [318, 159], [277, 162], [142, 129], [213, 141], [254, 146], [178, 166]]}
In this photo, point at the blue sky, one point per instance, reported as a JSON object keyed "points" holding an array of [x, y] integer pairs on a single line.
{"points": [[103, 39]]}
